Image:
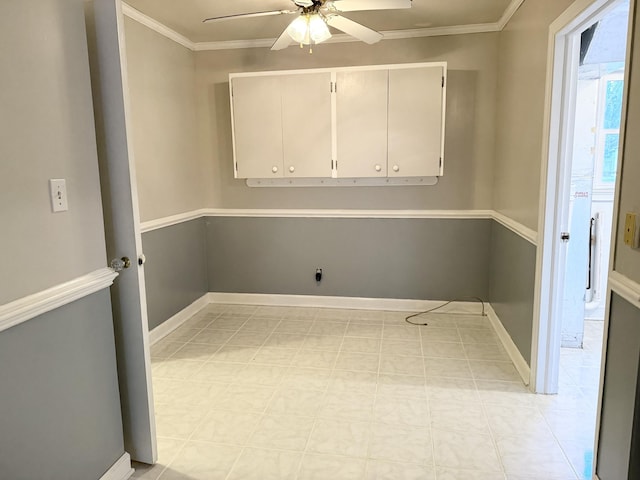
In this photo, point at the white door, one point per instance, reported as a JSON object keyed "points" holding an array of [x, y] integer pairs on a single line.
{"points": [[257, 126], [415, 121], [122, 225], [361, 123], [306, 124]]}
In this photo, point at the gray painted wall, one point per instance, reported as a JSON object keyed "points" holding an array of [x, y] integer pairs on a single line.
{"points": [[619, 394], [511, 284], [176, 268], [59, 408], [433, 259]]}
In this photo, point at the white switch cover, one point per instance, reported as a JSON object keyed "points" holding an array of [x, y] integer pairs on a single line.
{"points": [[58, 189]]}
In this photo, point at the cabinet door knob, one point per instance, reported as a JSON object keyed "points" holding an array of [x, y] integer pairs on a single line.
{"points": [[292, 169], [274, 169], [396, 168], [378, 168]]}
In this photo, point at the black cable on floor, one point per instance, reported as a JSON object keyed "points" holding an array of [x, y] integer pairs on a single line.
{"points": [[432, 310]]}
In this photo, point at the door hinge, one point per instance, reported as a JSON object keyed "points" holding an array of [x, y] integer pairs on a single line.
{"points": [[440, 162], [236, 166], [331, 164], [443, 82]]}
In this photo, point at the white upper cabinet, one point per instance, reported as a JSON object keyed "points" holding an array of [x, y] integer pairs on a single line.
{"points": [[361, 123], [416, 121], [379, 122], [257, 127], [306, 124]]}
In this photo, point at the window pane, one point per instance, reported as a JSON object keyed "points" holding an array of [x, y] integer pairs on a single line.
{"points": [[613, 106], [610, 158]]}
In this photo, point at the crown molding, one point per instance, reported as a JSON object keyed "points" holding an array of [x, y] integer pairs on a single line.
{"points": [[162, 29], [509, 12], [156, 26]]}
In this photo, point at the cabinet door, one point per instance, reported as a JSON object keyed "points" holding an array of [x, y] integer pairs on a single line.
{"points": [[306, 124], [415, 121], [361, 123], [257, 120]]}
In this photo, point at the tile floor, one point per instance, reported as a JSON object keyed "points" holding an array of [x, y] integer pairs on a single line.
{"points": [[246, 392]]}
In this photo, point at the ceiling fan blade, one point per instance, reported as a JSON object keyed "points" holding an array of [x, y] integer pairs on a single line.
{"points": [[250, 15], [360, 5], [282, 42], [354, 29], [303, 3]]}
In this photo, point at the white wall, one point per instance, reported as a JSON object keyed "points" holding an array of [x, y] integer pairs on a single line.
{"points": [[522, 66], [163, 104], [46, 131], [469, 146]]}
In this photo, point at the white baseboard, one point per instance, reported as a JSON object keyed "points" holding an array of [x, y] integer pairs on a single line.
{"points": [[121, 470], [178, 319], [516, 357], [391, 304]]}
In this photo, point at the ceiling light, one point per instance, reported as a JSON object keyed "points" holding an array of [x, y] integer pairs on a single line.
{"points": [[308, 29]]}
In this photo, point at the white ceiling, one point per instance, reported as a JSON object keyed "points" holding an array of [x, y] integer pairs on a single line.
{"points": [[185, 16]]}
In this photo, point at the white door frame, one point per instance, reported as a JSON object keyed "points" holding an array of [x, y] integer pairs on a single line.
{"points": [[562, 62]]}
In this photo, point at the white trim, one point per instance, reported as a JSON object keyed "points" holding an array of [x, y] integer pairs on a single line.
{"points": [[625, 287], [165, 31], [121, 470], [510, 11], [156, 26], [178, 319], [159, 223], [516, 227], [545, 348], [359, 68], [390, 304], [26, 308], [507, 342]]}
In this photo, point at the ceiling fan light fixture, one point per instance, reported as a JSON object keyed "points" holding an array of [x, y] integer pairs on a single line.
{"points": [[309, 28], [318, 29], [297, 29]]}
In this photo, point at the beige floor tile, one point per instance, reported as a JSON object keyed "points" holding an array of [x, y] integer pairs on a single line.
{"points": [[402, 385], [354, 382], [295, 401], [347, 405], [444, 350], [227, 427], [447, 367], [322, 342], [465, 451], [450, 474], [284, 432], [503, 371], [324, 467], [479, 335], [214, 337], [401, 410], [202, 461], [400, 332], [185, 393], [339, 438], [361, 345], [401, 365], [447, 388], [275, 356], [510, 421], [294, 326], [264, 375], [327, 327], [176, 421], [400, 347], [178, 369], [197, 351], [165, 349], [358, 362], [285, 340], [364, 330], [434, 334], [456, 416], [486, 351], [540, 457], [315, 358], [245, 398], [218, 372], [306, 378], [401, 443], [235, 354], [380, 470], [259, 464]]}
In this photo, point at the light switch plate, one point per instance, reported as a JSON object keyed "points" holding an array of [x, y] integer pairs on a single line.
{"points": [[631, 237], [58, 190]]}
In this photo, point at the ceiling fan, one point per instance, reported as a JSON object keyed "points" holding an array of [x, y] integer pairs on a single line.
{"points": [[311, 26]]}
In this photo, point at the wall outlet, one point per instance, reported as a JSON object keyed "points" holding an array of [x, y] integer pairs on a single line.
{"points": [[58, 190], [631, 236]]}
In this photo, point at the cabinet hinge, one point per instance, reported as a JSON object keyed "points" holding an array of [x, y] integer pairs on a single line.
{"points": [[443, 82], [440, 162], [334, 87], [331, 164]]}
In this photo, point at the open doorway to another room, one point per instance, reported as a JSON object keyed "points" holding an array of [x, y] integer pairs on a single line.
{"points": [[579, 212]]}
